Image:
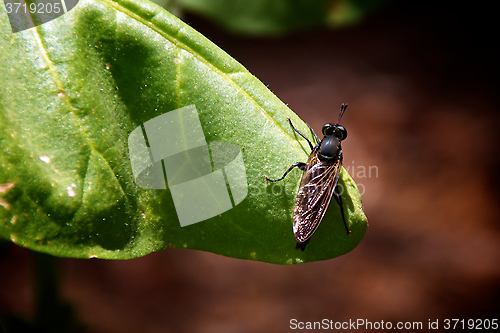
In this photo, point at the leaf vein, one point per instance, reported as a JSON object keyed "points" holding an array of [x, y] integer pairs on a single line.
{"points": [[214, 68], [57, 80]]}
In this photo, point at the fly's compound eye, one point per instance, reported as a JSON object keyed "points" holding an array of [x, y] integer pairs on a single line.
{"points": [[340, 132], [328, 129]]}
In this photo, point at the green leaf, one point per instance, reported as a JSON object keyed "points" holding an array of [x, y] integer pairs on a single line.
{"points": [[71, 92]]}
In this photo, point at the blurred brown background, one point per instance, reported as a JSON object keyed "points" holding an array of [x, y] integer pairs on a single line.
{"points": [[422, 86]]}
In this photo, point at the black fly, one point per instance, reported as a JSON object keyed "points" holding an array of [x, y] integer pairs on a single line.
{"points": [[319, 180]]}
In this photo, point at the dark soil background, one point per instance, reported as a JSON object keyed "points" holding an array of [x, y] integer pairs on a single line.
{"points": [[422, 86]]}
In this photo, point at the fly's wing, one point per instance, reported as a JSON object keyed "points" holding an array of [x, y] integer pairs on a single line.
{"points": [[315, 193]]}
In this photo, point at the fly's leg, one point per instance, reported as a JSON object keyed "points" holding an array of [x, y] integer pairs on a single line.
{"points": [[338, 198], [301, 246], [299, 165], [314, 134], [302, 135], [336, 193]]}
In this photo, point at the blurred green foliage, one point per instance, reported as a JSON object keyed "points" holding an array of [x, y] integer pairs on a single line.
{"points": [[275, 17]]}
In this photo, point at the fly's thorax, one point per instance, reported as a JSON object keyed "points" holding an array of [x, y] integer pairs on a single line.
{"points": [[329, 147]]}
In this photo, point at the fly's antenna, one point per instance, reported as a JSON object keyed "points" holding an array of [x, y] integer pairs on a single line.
{"points": [[343, 107]]}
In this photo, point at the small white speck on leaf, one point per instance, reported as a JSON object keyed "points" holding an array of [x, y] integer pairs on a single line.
{"points": [[44, 158], [4, 204], [70, 190], [5, 187]]}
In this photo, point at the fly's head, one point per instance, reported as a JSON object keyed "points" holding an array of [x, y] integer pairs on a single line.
{"points": [[336, 130], [332, 136]]}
